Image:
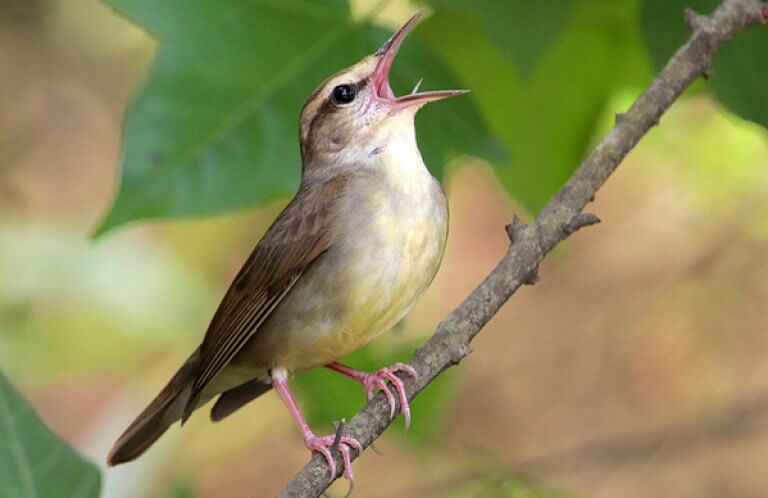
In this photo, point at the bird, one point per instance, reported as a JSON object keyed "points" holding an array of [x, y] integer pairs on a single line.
{"points": [[348, 257]]}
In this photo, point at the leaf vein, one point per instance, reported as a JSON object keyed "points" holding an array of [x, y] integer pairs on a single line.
{"points": [[237, 116]]}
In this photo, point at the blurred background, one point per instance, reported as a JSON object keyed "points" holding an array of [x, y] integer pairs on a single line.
{"points": [[634, 368]]}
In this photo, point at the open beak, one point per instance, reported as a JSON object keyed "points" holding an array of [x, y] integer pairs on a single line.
{"points": [[380, 76]]}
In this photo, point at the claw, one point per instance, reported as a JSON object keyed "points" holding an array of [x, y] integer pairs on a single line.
{"points": [[379, 380], [404, 407], [347, 468], [402, 367], [323, 444], [382, 384], [350, 441]]}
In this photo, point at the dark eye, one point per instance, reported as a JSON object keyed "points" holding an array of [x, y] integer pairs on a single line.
{"points": [[344, 94]]}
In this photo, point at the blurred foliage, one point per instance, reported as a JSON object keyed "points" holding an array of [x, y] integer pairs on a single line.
{"points": [[181, 489], [215, 126], [523, 31], [501, 485], [546, 116], [330, 396], [739, 75], [34, 462], [73, 290], [721, 157]]}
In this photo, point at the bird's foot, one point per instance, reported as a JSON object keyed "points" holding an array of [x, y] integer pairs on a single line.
{"points": [[324, 445], [379, 380]]}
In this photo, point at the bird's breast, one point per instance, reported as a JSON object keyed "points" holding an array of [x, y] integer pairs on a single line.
{"points": [[395, 252], [389, 251], [389, 231]]}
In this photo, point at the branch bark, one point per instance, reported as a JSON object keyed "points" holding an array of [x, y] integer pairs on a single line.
{"points": [[560, 218]]}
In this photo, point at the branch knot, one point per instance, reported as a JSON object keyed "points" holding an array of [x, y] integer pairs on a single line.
{"points": [[696, 22], [514, 229], [580, 221], [533, 277], [462, 352]]}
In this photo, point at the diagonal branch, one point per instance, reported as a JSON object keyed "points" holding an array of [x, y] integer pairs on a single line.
{"points": [[560, 218]]}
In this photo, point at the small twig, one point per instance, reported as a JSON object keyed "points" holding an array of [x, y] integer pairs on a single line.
{"points": [[339, 433], [580, 221], [695, 21], [375, 448], [513, 229], [699, 23]]}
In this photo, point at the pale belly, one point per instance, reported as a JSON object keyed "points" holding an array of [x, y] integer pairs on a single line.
{"points": [[387, 257]]}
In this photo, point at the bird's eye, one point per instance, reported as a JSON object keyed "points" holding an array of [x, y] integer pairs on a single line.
{"points": [[344, 94]]}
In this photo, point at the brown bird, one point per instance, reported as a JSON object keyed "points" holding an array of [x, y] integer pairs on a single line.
{"points": [[346, 259]]}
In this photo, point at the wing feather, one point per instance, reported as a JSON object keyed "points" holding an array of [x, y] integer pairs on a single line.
{"points": [[301, 233]]}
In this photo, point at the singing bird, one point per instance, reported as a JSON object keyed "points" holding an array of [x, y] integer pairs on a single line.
{"points": [[346, 259]]}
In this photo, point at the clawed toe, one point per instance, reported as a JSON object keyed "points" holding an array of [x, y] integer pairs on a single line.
{"points": [[323, 445], [379, 381], [402, 367]]}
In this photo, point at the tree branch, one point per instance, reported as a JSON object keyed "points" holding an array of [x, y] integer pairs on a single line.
{"points": [[560, 218]]}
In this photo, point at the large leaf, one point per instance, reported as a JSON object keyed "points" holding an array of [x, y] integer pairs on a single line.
{"points": [[739, 74], [545, 119], [215, 125], [522, 29], [35, 462]]}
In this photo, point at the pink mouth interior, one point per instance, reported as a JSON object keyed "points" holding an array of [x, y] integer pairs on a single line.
{"points": [[381, 85], [388, 52], [380, 78]]}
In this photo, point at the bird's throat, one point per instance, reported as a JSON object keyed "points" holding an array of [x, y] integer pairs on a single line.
{"points": [[398, 159]]}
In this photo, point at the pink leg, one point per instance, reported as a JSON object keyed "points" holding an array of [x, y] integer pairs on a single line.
{"points": [[315, 443], [379, 380]]}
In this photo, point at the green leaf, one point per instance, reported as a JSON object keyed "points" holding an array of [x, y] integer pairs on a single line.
{"points": [[523, 30], [739, 72], [545, 119], [35, 462], [328, 396], [214, 127]]}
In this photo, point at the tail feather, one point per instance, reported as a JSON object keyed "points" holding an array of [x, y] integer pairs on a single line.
{"points": [[236, 398], [151, 423]]}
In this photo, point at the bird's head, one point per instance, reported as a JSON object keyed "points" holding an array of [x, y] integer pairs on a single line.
{"points": [[353, 113]]}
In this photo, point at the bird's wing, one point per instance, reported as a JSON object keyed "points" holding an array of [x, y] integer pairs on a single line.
{"points": [[301, 233]]}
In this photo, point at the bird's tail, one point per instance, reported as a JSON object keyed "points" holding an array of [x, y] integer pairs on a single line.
{"points": [[151, 423]]}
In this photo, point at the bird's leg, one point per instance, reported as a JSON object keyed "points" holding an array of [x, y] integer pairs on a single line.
{"points": [[320, 444], [378, 380]]}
